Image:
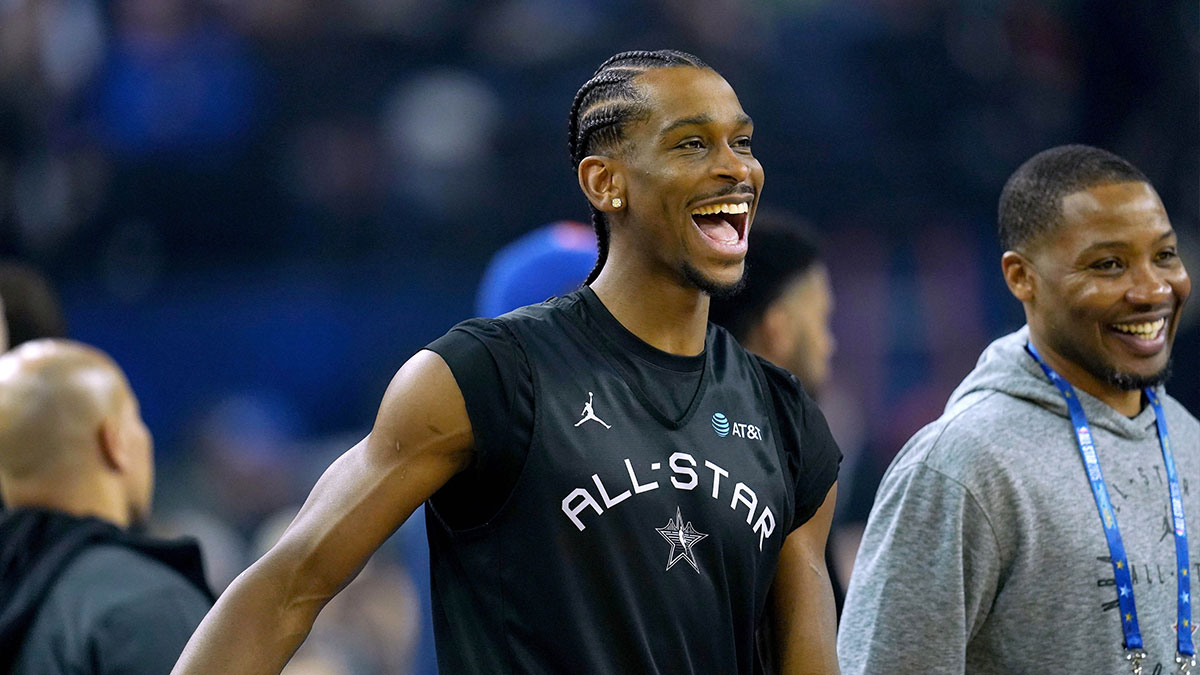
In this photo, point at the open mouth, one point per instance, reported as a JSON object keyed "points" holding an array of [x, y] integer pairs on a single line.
{"points": [[724, 223]]}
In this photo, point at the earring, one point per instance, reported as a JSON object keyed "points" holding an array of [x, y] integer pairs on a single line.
{"points": [[616, 202]]}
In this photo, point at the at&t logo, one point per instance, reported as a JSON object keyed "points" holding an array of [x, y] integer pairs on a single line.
{"points": [[724, 427], [720, 425]]}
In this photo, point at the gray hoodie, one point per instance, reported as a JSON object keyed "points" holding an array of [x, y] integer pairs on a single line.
{"points": [[984, 552]]}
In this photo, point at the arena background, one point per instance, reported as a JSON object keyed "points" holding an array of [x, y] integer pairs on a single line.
{"points": [[261, 208]]}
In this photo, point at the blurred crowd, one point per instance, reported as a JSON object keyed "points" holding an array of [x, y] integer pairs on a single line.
{"points": [[262, 208]]}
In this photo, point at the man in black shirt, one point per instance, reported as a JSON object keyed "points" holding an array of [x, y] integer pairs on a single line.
{"points": [[614, 485]]}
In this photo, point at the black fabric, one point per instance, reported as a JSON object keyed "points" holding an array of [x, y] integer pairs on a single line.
{"points": [[815, 467], [666, 383], [571, 570], [37, 545], [497, 386]]}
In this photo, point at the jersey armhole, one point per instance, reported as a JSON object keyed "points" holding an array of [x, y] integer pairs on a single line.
{"points": [[482, 522], [785, 473], [535, 413]]}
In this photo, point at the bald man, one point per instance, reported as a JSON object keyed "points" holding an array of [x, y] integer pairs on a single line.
{"points": [[80, 591]]}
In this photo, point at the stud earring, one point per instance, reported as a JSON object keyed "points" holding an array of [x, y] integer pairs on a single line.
{"points": [[616, 202]]}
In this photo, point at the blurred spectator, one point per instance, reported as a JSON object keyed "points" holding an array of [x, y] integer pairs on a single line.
{"points": [[783, 312], [550, 261], [80, 590], [178, 107], [31, 308], [246, 459]]}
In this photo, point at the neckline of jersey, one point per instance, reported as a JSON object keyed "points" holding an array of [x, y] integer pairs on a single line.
{"points": [[635, 345], [611, 335]]}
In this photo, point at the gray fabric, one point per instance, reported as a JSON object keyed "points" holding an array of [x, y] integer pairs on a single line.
{"points": [[984, 552], [113, 610]]}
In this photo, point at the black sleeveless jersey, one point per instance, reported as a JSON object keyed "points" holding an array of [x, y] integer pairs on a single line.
{"points": [[624, 538]]}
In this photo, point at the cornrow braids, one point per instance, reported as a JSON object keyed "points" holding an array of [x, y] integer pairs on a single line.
{"points": [[602, 108]]}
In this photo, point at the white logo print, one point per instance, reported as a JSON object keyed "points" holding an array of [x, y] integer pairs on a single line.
{"points": [[589, 414], [725, 427], [683, 537]]}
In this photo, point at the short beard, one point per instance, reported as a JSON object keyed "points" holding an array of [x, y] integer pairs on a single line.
{"points": [[712, 288], [1130, 382], [1109, 375]]}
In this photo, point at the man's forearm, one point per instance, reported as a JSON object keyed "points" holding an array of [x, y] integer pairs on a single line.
{"points": [[802, 598], [255, 627], [807, 637]]}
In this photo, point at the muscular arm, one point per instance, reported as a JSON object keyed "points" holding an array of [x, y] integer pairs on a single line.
{"points": [[802, 607], [421, 438]]}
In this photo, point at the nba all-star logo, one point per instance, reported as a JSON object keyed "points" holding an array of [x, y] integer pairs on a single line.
{"points": [[681, 538]]}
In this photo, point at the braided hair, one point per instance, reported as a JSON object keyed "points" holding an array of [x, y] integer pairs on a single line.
{"points": [[602, 108]]}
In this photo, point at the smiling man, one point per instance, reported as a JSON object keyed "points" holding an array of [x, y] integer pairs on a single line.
{"points": [[613, 484], [1040, 524]]}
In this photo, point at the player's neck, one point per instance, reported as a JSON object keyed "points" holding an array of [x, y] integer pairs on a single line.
{"points": [[665, 315]]}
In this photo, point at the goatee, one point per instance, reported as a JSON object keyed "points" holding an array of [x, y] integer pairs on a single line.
{"points": [[712, 288], [1131, 382]]}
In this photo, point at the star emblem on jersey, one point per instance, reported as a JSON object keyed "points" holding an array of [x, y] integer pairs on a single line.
{"points": [[681, 538]]}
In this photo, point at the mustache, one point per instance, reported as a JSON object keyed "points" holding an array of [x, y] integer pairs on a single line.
{"points": [[739, 189]]}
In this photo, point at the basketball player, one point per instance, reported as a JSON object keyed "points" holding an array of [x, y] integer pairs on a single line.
{"points": [[685, 517]]}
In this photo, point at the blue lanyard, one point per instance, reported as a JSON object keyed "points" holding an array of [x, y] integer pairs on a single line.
{"points": [[1116, 549]]}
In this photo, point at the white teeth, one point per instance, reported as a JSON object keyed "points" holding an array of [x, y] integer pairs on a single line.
{"points": [[1144, 330], [721, 208]]}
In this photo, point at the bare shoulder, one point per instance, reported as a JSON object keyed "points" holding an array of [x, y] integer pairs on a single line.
{"points": [[423, 411]]}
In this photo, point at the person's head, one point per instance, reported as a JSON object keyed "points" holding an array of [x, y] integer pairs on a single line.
{"points": [[661, 148], [71, 434], [1091, 254], [783, 312], [551, 260], [30, 306]]}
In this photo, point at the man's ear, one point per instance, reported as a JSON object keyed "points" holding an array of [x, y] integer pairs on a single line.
{"points": [[601, 181], [1019, 275], [112, 451]]}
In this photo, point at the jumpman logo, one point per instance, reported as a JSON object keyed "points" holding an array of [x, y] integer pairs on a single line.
{"points": [[589, 414]]}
